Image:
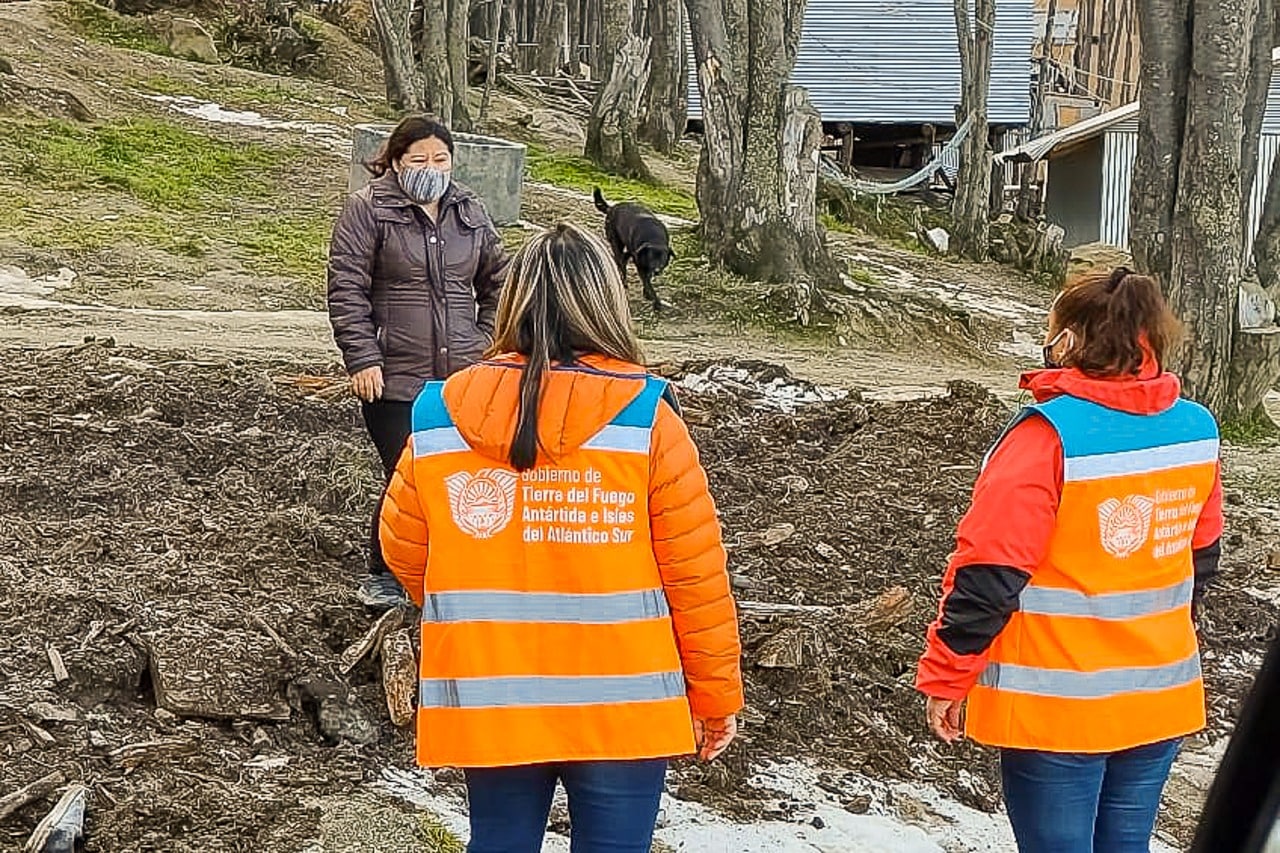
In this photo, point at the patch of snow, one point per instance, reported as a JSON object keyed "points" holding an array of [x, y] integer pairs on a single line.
{"points": [[19, 290], [777, 393], [332, 135], [901, 817], [959, 295]]}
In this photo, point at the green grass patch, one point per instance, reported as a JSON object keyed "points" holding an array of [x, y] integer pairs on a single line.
{"points": [[160, 164], [436, 835], [294, 247], [579, 173], [227, 94], [863, 275], [93, 22], [1256, 429]]}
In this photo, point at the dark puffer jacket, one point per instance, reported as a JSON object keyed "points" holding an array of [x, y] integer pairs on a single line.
{"points": [[417, 298]]}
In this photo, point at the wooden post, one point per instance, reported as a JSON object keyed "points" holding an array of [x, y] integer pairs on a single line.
{"points": [[846, 147]]}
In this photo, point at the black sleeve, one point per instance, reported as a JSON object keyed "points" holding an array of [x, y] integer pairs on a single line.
{"points": [[1206, 561], [979, 605]]}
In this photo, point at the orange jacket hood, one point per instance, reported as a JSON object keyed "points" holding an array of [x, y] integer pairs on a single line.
{"points": [[1150, 392], [576, 402]]}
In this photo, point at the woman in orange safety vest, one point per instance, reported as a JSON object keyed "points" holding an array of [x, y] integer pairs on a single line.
{"points": [[1066, 616], [551, 518]]}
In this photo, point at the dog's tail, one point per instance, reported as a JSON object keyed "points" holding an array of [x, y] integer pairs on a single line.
{"points": [[601, 204]]}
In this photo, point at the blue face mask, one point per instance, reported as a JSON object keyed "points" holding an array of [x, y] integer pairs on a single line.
{"points": [[425, 184]]}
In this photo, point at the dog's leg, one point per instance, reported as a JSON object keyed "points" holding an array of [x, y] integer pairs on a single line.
{"points": [[619, 256], [646, 279]]}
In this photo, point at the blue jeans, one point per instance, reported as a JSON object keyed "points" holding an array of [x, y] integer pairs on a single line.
{"points": [[613, 805], [1075, 803]]}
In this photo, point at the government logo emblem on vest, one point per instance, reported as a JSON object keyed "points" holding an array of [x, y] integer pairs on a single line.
{"points": [[482, 503], [1125, 525]]}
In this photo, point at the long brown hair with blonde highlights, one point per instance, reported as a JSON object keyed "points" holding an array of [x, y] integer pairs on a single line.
{"points": [[564, 298], [1115, 317]]}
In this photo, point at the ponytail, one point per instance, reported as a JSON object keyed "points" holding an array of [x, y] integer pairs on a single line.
{"points": [[1119, 317], [541, 330]]}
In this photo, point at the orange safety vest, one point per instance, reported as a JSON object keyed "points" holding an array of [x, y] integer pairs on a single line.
{"points": [[546, 634], [1102, 655]]}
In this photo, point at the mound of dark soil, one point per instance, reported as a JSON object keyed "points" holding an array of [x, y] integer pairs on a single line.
{"points": [[184, 538]]}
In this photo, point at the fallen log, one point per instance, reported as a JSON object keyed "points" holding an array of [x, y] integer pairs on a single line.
{"points": [[28, 794]]}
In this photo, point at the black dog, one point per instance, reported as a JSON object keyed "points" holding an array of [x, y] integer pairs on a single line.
{"points": [[636, 234]]}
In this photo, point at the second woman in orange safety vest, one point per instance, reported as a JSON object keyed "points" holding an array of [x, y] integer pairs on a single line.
{"points": [[552, 520], [1066, 618]]}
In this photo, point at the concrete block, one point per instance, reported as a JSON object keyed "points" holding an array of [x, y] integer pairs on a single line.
{"points": [[492, 168]]}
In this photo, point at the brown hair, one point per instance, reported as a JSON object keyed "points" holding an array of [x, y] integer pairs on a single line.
{"points": [[1114, 315], [564, 298], [410, 130]]}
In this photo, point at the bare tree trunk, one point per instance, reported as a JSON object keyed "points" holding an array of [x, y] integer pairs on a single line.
{"points": [[459, 45], [435, 59], [1166, 66], [972, 206], [1208, 236], [491, 70], [406, 91], [613, 132], [666, 103], [757, 180], [551, 30]]}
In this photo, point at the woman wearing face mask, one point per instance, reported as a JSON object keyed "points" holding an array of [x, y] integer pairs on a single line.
{"points": [[1067, 611], [415, 270]]}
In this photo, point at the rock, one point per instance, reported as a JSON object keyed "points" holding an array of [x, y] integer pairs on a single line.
{"points": [[1257, 309], [98, 740], [337, 712], [939, 239], [1096, 255], [6, 67], [559, 130], [47, 712], [188, 39], [819, 823], [165, 718], [1273, 561]]}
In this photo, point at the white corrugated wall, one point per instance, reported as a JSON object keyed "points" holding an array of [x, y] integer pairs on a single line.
{"points": [[1120, 152]]}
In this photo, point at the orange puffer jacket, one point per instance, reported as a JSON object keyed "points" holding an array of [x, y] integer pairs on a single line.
{"points": [[577, 611]]}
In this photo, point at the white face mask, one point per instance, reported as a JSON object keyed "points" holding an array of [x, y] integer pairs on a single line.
{"points": [[423, 184]]}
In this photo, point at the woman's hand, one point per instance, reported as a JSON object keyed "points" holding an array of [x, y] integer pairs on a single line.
{"points": [[944, 717], [714, 734], [367, 384]]}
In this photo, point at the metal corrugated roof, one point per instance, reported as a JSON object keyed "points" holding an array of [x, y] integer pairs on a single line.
{"points": [[897, 61], [1125, 120]]}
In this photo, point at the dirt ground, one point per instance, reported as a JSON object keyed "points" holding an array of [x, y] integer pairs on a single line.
{"points": [[168, 520], [185, 485]]}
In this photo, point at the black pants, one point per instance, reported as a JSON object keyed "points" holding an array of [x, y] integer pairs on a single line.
{"points": [[389, 423]]}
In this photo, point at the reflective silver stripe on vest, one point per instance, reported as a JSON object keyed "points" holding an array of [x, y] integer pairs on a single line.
{"points": [[431, 442], [1070, 684], [1115, 605], [624, 439], [540, 690], [1148, 460], [587, 609]]}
